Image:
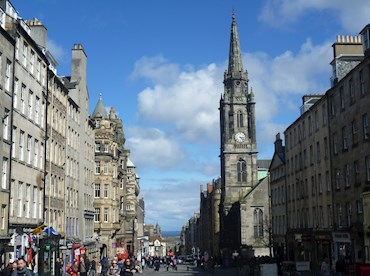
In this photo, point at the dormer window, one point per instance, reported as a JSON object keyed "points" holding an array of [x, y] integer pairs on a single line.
{"points": [[97, 124]]}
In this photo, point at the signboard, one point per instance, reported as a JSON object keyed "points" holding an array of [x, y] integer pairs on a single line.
{"points": [[82, 251], [122, 253], [341, 237], [302, 266], [77, 252]]}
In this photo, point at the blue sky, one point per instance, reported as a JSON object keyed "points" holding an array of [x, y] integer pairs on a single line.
{"points": [[161, 63]]}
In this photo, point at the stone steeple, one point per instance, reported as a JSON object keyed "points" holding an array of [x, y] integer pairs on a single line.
{"points": [[235, 58], [100, 109]]}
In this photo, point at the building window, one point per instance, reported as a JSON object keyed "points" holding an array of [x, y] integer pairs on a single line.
{"points": [[29, 141], [28, 200], [23, 95], [40, 204], [332, 105], [4, 180], [344, 138], [6, 124], [8, 75], [339, 215], [24, 54], [240, 119], [97, 147], [3, 207], [38, 69], [320, 183], [341, 95], [351, 90], [37, 111], [349, 213], [318, 152], [105, 147], [32, 61], [346, 179], [330, 215], [365, 125], [15, 94], [367, 162], [324, 115], [97, 124], [121, 183], [97, 167], [105, 215], [356, 169], [354, 132], [335, 143], [359, 206], [362, 82], [19, 199], [106, 167], [34, 202], [97, 215], [258, 223], [328, 183], [242, 170], [317, 122], [17, 47], [106, 189], [21, 145], [337, 179], [97, 190], [122, 203]]}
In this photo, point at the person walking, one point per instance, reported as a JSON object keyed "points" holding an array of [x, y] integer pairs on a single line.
{"points": [[325, 267], [93, 267], [83, 267]]}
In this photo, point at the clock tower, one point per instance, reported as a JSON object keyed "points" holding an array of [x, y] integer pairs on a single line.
{"points": [[238, 130]]}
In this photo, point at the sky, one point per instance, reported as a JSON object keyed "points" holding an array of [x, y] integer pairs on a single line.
{"points": [[160, 64]]}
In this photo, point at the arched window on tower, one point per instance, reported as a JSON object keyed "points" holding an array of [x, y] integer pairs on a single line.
{"points": [[258, 223], [242, 170], [240, 119]]}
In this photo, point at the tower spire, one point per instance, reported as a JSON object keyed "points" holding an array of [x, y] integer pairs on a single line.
{"points": [[235, 58]]}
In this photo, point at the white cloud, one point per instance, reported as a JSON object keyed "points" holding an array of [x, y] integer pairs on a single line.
{"points": [[189, 101], [164, 206], [58, 52], [151, 147], [353, 15]]}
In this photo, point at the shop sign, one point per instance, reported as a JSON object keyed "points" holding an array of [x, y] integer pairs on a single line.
{"points": [[77, 252], [82, 251], [69, 245], [341, 237]]}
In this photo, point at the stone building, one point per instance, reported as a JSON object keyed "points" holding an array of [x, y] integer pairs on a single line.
{"points": [[79, 212], [278, 198], [348, 101], [326, 197], [244, 199], [308, 183], [7, 44], [209, 218], [26, 81], [116, 186]]}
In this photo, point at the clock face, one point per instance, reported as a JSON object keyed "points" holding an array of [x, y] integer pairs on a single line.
{"points": [[239, 137]]}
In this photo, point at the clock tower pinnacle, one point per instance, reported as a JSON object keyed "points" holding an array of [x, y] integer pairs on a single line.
{"points": [[237, 126]]}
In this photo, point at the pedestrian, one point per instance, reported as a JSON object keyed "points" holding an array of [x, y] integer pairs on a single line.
{"points": [[82, 267], [58, 267], [340, 266], [325, 267], [114, 270], [129, 268], [12, 266], [22, 269], [92, 267]]}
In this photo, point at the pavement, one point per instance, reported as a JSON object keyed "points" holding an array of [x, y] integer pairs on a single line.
{"points": [[190, 270]]}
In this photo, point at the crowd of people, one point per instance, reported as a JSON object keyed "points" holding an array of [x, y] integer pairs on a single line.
{"points": [[18, 267]]}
